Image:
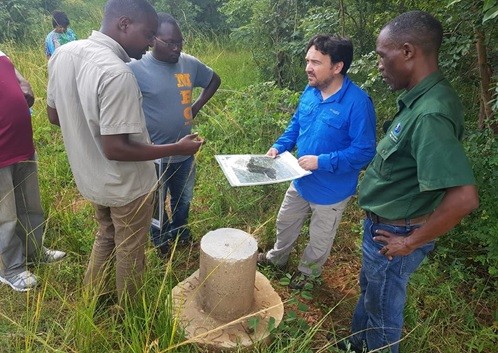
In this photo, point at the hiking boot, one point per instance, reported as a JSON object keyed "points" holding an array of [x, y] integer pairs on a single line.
{"points": [[21, 282], [265, 261], [298, 280]]}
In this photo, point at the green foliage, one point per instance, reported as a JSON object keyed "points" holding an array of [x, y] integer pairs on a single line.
{"points": [[223, 55], [254, 117], [19, 18], [474, 243], [452, 304], [196, 15], [184, 11], [248, 121], [270, 30], [490, 10]]}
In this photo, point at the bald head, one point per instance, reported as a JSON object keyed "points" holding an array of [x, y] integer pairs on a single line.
{"points": [[163, 17], [407, 49], [419, 28], [115, 9]]}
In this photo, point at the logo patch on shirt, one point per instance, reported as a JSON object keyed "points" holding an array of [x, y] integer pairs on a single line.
{"points": [[394, 134], [334, 111]]}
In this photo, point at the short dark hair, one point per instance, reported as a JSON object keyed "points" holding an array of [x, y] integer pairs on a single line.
{"points": [[163, 17], [417, 27], [59, 18], [129, 8], [337, 47]]}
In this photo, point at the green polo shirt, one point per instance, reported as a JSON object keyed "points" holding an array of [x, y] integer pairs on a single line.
{"points": [[421, 154]]}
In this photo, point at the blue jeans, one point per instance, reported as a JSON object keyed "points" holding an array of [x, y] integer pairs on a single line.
{"points": [[178, 180], [378, 317]]}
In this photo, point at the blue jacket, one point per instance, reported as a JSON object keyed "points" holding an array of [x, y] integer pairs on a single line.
{"points": [[340, 131]]}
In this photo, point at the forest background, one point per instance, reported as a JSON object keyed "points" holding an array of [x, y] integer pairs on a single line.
{"points": [[257, 47]]}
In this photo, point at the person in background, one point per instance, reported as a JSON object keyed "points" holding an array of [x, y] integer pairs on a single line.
{"points": [[167, 77], [97, 103], [21, 213], [333, 130], [419, 184], [61, 34]]}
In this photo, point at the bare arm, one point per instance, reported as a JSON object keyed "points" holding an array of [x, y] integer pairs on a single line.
{"points": [[26, 89], [121, 148], [206, 94], [53, 116], [457, 202]]}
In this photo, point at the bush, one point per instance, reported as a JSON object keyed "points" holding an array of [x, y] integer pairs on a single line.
{"points": [[250, 121], [474, 243], [19, 18]]}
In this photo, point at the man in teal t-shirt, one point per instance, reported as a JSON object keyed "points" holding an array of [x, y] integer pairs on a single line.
{"points": [[419, 184]]}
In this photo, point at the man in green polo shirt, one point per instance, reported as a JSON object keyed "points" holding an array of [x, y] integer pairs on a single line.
{"points": [[419, 184]]}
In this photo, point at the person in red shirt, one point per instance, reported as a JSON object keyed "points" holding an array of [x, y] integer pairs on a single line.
{"points": [[21, 214]]}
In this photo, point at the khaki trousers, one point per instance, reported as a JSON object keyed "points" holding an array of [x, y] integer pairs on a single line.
{"points": [[21, 217], [324, 222], [121, 238]]}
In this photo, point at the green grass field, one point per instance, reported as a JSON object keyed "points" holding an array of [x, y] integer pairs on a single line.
{"points": [[446, 311]]}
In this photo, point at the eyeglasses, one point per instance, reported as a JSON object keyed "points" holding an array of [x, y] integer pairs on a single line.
{"points": [[170, 45]]}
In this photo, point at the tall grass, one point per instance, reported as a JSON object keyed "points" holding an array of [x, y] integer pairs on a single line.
{"points": [[445, 311]]}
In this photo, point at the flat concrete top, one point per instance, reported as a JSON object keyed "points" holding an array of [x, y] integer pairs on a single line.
{"points": [[229, 244]]}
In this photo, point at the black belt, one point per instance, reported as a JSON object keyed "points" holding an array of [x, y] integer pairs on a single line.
{"points": [[398, 222]]}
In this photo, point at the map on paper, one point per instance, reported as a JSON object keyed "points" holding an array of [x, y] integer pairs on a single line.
{"points": [[258, 169]]}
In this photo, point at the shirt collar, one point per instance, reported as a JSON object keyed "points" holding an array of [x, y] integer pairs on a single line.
{"points": [[337, 96], [150, 56], [107, 41], [407, 98]]}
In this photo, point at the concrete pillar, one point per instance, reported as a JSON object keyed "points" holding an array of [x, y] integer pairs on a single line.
{"points": [[228, 260], [216, 303]]}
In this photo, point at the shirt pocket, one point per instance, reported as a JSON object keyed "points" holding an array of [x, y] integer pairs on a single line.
{"points": [[331, 120], [384, 160], [305, 109]]}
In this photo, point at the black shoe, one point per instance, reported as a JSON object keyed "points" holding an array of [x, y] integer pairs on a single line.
{"points": [[298, 280], [263, 260], [346, 346], [185, 242], [163, 251]]}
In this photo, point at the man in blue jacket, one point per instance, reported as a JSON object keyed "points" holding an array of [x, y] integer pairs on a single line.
{"points": [[333, 131]]}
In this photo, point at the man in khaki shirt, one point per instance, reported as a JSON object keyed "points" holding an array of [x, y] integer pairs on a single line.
{"points": [[94, 97]]}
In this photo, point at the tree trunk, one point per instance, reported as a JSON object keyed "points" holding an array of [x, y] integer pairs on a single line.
{"points": [[485, 73]]}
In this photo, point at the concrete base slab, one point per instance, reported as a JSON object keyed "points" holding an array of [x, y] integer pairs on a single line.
{"points": [[215, 335]]}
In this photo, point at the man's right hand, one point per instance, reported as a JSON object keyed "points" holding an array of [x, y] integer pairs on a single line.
{"points": [[190, 144], [272, 152]]}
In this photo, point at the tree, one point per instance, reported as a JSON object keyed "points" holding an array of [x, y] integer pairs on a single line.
{"points": [[18, 17], [478, 19], [270, 29]]}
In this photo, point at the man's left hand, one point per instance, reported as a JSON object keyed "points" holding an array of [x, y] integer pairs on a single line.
{"points": [[308, 162], [395, 245]]}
